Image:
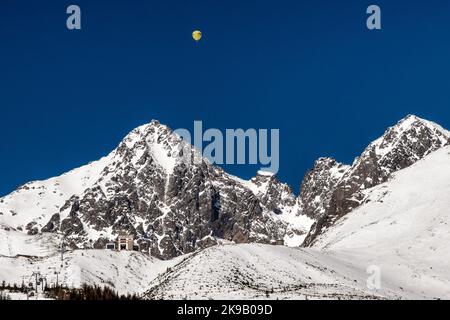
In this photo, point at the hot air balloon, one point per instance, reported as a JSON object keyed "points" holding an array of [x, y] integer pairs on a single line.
{"points": [[197, 35]]}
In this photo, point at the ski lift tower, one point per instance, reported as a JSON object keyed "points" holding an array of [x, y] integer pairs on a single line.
{"points": [[37, 277], [56, 274], [62, 247]]}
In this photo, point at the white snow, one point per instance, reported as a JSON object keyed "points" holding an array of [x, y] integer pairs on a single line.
{"points": [[265, 173], [299, 225], [160, 155], [404, 229], [13, 243], [37, 201], [255, 271]]}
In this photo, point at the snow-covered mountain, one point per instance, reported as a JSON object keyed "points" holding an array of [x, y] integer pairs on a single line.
{"points": [[331, 190], [403, 226], [147, 188], [412, 209], [37, 201]]}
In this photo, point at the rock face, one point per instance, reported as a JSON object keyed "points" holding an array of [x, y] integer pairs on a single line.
{"points": [[408, 141], [173, 206], [274, 195], [318, 185]]}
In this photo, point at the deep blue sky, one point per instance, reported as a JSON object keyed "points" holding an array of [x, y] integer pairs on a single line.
{"points": [[309, 68]]}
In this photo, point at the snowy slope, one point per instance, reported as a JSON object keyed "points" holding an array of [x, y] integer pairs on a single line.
{"points": [[13, 243], [126, 272], [403, 226], [256, 271], [39, 200]]}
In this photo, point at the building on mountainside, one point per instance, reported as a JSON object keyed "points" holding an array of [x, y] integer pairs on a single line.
{"points": [[125, 242]]}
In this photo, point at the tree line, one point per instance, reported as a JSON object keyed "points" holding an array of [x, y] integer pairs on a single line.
{"points": [[86, 292]]}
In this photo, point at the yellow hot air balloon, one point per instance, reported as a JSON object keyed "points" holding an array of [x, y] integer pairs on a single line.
{"points": [[197, 35]]}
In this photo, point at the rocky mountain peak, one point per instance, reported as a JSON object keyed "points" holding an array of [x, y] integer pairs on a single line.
{"points": [[411, 136], [146, 188], [152, 133], [273, 194], [403, 144]]}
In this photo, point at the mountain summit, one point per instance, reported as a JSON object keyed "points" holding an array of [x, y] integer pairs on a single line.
{"points": [[146, 188], [402, 145]]}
